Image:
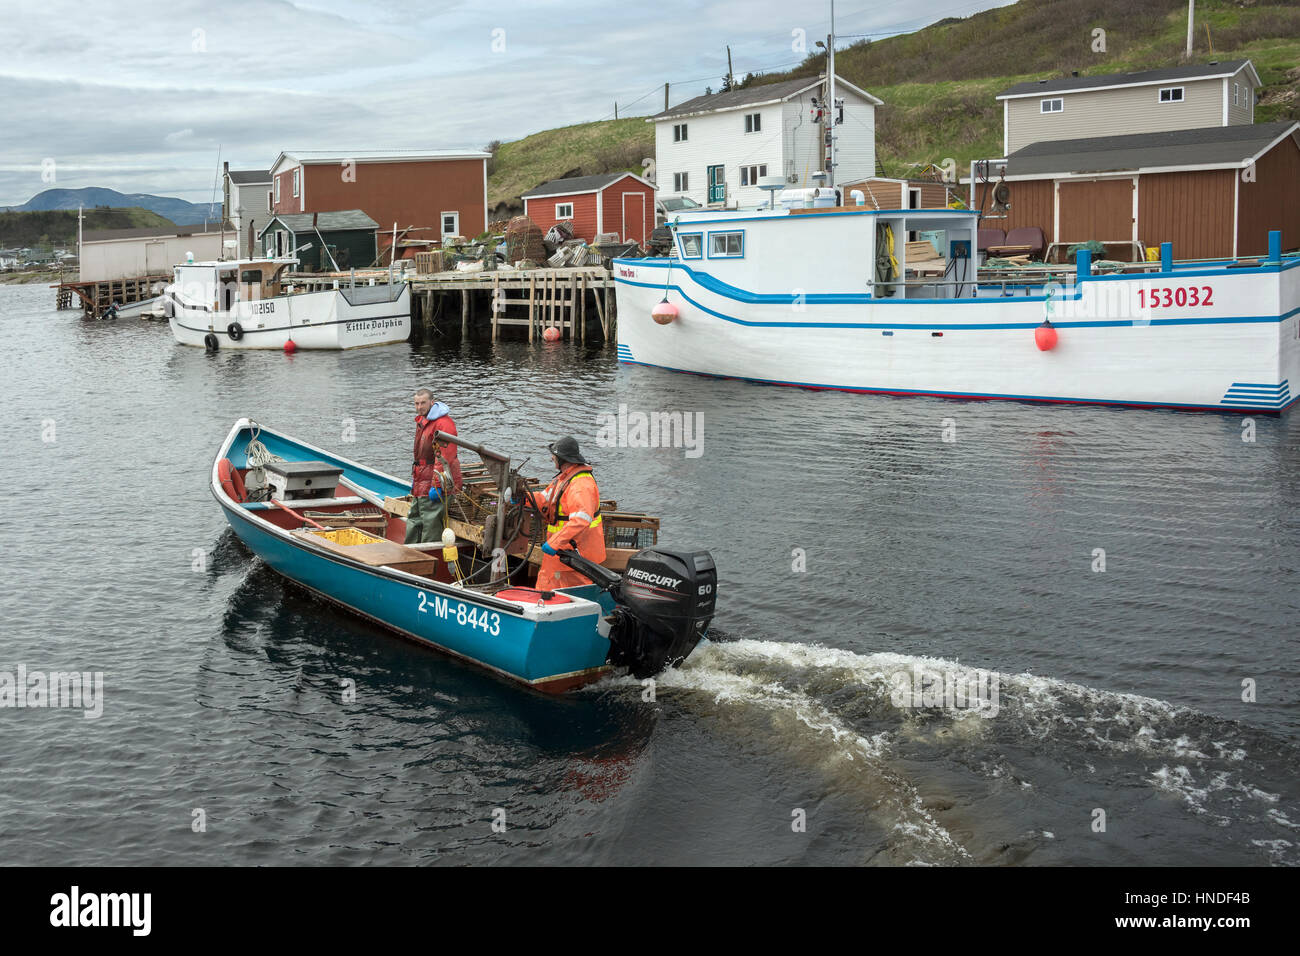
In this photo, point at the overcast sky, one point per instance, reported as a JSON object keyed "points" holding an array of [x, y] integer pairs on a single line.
{"points": [[139, 96]]}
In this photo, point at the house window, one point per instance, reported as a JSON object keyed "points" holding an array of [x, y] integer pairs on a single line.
{"points": [[295, 181], [1171, 94], [564, 210], [749, 175], [726, 245], [1236, 94], [277, 188], [692, 245], [1056, 105], [450, 224], [268, 199], [680, 182], [679, 133], [753, 122]]}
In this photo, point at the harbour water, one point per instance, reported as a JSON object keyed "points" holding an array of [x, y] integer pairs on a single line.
{"points": [[1118, 588]]}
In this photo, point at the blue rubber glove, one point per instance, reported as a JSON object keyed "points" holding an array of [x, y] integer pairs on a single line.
{"points": [[547, 549], [435, 493]]}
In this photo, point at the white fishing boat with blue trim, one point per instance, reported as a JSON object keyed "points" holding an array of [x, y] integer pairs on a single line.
{"points": [[247, 304], [336, 528], [827, 298]]}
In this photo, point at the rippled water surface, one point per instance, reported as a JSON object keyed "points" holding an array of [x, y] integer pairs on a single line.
{"points": [[1118, 691]]}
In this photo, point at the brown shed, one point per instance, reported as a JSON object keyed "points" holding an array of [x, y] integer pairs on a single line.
{"points": [[1213, 193]]}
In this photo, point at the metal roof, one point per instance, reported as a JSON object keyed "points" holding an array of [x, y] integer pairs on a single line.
{"points": [[247, 177], [154, 232], [1075, 84], [753, 95], [297, 222], [1214, 146], [309, 156], [576, 184]]}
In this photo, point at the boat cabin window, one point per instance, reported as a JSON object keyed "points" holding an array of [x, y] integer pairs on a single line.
{"points": [[251, 277], [692, 245], [229, 291], [724, 245]]}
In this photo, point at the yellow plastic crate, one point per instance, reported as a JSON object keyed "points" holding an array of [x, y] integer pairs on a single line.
{"points": [[348, 536]]}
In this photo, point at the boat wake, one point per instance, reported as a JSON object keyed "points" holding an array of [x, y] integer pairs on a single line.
{"points": [[964, 766]]}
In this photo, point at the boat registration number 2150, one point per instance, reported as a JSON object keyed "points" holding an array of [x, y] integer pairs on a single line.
{"points": [[466, 615]]}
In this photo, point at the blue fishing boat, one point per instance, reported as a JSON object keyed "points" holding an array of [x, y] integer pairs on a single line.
{"points": [[335, 528]]}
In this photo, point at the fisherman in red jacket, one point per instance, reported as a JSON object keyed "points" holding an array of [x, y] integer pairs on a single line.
{"points": [[435, 473]]}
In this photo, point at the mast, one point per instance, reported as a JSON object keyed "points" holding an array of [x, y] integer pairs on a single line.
{"points": [[830, 161]]}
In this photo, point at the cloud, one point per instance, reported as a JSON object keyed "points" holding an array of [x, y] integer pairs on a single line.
{"points": [[145, 103]]}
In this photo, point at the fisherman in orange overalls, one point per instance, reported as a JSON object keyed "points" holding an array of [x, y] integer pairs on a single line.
{"points": [[571, 507]]}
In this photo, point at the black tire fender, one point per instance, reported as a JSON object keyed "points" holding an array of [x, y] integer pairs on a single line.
{"points": [[235, 331], [210, 342]]}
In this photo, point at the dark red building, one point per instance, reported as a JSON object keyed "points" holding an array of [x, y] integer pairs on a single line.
{"points": [[611, 202], [430, 194]]}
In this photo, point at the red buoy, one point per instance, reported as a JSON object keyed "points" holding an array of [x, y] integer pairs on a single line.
{"points": [[664, 312], [550, 334], [1045, 336], [290, 347]]}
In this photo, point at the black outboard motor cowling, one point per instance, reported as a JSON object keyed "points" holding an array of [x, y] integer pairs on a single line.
{"points": [[664, 604]]}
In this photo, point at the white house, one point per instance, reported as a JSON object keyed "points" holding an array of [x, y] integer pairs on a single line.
{"points": [[247, 195], [715, 148]]}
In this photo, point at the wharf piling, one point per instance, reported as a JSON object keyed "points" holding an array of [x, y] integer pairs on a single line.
{"points": [[533, 299], [94, 296]]}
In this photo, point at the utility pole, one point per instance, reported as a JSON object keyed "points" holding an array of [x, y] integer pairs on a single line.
{"points": [[665, 97], [731, 77], [1191, 16], [616, 109]]}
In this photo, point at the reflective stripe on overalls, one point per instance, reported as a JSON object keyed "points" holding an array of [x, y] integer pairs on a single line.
{"points": [[561, 518]]}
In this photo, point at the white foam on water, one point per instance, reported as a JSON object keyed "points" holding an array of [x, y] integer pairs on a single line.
{"points": [[843, 750]]}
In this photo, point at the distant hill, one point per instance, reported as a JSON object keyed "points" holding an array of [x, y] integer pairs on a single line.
{"points": [[177, 210], [939, 84], [58, 227]]}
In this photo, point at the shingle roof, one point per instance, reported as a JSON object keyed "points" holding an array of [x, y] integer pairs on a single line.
{"points": [[325, 221], [764, 93], [1212, 146], [246, 177], [574, 184], [1074, 83]]}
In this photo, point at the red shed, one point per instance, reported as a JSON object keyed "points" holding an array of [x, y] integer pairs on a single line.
{"points": [[611, 202]]}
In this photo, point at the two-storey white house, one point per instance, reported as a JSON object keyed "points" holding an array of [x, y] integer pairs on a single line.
{"points": [[247, 201], [715, 148], [1193, 96]]}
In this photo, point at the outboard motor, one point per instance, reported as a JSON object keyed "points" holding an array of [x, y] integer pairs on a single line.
{"points": [[663, 605]]}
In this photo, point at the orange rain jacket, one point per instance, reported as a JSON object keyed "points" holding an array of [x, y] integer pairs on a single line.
{"points": [[575, 517]]}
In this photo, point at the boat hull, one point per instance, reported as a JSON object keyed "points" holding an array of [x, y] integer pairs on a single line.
{"points": [[314, 320], [551, 648], [1237, 353]]}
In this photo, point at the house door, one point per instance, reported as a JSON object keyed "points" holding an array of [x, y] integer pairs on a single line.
{"points": [[1100, 209], [634, 217], [155, 258], [717, 184]]}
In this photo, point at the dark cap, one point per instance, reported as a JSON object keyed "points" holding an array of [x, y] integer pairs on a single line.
{"points": [[566, 449]]}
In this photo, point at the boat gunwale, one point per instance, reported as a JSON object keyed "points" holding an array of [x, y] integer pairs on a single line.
{"points": [[231, 507]]}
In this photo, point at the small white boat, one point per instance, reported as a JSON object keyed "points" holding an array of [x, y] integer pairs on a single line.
{"points": [[838, 298], [243, 304]]}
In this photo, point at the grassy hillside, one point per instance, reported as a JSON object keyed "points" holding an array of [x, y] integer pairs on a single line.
{"points": [[583, 150], [939, 83], [58, 227]]}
